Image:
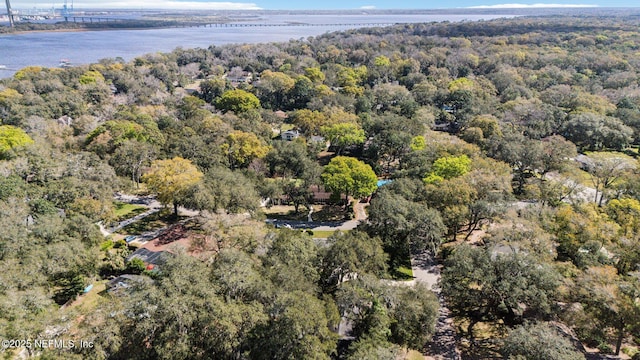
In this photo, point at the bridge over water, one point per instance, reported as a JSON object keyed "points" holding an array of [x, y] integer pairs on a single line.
{"points": [[170, 23]]}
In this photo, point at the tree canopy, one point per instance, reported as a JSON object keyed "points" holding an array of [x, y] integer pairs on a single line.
{"points": [[238, 101], [349, 176], [172, 179], [11, 138]]}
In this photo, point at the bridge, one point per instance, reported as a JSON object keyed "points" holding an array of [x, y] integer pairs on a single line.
{"points": [[171, 23], [9, 13]]}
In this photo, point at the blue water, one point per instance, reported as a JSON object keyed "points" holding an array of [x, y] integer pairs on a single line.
{"points": [[47, 48]]}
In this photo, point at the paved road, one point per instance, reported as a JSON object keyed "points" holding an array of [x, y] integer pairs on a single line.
{"points": [[443, 345], [130, 221], [147, 201]]}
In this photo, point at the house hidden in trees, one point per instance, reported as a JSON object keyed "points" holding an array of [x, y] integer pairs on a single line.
{"points": [[239, 77], [151, 259], [127, 281], [290, 135], [281, 115]]}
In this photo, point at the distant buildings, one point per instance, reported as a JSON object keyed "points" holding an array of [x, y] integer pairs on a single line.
{"points": [[239, 77]]}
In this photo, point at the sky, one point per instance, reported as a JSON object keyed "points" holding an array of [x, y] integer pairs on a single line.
{"points": [[323, 4]]}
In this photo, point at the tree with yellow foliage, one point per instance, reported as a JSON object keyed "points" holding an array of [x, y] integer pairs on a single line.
{"points": [[12, 137], [172, 179], [242, 147]]}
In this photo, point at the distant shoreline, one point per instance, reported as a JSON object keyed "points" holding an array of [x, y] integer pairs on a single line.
{"points": [[22, 32], [131, 19]]}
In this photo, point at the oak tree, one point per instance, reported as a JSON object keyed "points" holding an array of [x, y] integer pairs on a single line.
{"points": [[171, 180], [349, 176]]}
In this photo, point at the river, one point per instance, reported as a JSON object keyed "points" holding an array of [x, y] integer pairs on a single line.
{"points": [[83, 47]]}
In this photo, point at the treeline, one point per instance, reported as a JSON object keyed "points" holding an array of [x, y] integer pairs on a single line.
{"points": [[528, 230]]}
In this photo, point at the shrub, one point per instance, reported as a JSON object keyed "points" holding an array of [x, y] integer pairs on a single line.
{"points": [[106, 245], [135, 266]]}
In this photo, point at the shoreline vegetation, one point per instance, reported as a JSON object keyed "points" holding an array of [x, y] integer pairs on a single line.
{"points": [[158, 19]]}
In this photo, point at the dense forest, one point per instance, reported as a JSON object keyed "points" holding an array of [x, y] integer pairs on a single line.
{"points": [[510, 154]]}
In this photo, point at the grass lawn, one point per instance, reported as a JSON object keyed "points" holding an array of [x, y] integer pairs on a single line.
{"points": [[154, 221], [124, 211], [85, 303], [404, 273], [400, 269], [286, 127], [401, 273]]}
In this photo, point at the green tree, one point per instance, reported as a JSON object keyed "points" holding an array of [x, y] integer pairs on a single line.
{"points": [[238, 101], [492, 284], [172, 179], [211, 89], [349, 176], [135, 266], [350, 79], [180, 316], [447, 168], [391, 137], [414, 316], [453, 198], [289, 159], [189, 107], [238, 277], [525, 156], [91, 77], [350, 254], [556, 151], [131, 157], [488, 124], [538, 341], [626, 212], [364, 301], [224, 189], [314, 74], [404, 225], [303, 91], [297, 329], [274, 87], [69, 287], [342, 135], [591, 131], [109, 136], [292, 261], [418, 143]]}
